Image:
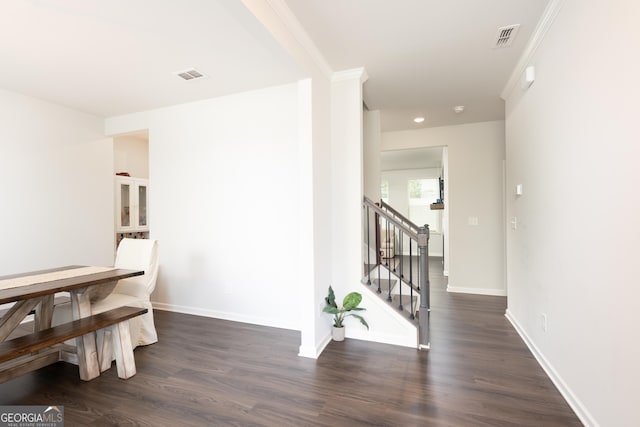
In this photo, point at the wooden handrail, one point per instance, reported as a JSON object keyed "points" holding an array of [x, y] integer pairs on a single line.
{"points": [[402, 218], [407, 230]]}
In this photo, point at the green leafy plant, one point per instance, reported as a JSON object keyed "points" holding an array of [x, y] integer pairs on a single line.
{"points": [[349, 304]]}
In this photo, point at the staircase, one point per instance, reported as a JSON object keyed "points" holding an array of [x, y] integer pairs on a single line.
{"points": [[399, 296], [396, 267]]}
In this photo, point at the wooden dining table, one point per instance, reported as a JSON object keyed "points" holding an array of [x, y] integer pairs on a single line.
{"points": [[34, 292]]}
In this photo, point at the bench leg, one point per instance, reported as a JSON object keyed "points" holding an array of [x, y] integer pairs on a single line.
{"points": [[85, 344], [87, 357], [104, 341], [123, 349]]}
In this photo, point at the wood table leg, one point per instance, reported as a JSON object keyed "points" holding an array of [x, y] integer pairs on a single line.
{"points": [[15, 315], [85, 344], [44, 313]]}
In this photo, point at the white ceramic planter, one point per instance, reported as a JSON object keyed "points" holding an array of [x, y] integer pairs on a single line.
{"points": [[338, 334]]}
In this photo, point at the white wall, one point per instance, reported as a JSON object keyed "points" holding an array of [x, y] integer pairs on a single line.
{"points": [[56, 182], [314, 169], [572, 142], [371, 154], [131, 154], [475, 154], [347, 182], [224, 196]]}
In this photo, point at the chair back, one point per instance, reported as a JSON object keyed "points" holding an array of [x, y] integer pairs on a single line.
{"points": [[139, 254]]}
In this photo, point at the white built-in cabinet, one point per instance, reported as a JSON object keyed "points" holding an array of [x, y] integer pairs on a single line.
{"points": [[132, 204]]}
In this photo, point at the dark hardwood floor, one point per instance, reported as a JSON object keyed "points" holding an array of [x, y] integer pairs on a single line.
{"points": [[208, 372]]}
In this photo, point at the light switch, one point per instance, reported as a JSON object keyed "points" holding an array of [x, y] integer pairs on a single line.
{"points": [[519, 190], [473, 220]]}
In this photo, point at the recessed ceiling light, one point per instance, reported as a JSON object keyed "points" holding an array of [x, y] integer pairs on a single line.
{"points": [[418, 119], [458, 109]]}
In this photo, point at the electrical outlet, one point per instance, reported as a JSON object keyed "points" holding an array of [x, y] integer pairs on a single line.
{"points": [[544, 322]]}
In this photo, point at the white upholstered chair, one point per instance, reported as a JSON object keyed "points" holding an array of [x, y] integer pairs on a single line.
{"points": [[132, 254]]}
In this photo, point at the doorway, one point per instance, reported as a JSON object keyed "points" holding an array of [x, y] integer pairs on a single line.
{"points": [[131, 170], [411, 182]]}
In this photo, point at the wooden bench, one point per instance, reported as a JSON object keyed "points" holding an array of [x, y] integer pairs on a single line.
{"points": [[56, 301], [44, 347]]}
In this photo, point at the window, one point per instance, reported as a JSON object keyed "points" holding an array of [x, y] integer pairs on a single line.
{"points": [[384, 191], [423, 192]]}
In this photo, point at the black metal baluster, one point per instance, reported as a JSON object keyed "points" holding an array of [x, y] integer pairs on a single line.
{"points": [[395, 250], [368, 249], [412, 316], [386, 239], [378, 250], [388, 266], [418, 270], [400, 258]]}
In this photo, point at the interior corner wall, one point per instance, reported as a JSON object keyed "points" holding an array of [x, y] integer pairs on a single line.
{"points": [[315, 212], [347, 183], [56, 181], [315, 249], [224, 202], [371, 153], [475, 190], [572, 143], [322, 208]]}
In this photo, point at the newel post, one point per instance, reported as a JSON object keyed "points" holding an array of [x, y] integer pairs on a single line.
{"points": [[425, 304]]}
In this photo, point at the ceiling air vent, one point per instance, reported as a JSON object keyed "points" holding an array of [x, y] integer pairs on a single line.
{"points": [[506, 35], [191, 74]]}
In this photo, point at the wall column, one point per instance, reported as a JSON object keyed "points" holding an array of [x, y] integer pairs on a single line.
{"points": [[347, 179]]}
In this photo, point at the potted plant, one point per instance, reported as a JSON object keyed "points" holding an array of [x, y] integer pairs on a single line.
{"points": [[349, 304]]}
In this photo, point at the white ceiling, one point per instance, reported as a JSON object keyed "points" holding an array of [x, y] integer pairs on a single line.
{"points": [[417, 158], [423, 57], [110, 57], [119, 56]]}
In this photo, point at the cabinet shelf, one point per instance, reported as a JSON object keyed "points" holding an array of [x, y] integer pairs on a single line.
{"points": [[132, 204]]}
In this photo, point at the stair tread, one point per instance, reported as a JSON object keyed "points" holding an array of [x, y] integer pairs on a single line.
{"points": [[385, 281], [408, 301], [395, 277]]}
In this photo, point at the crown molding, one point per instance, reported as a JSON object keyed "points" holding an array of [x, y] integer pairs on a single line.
{"points": [[351, 74], [545, 23], [297, 31]]}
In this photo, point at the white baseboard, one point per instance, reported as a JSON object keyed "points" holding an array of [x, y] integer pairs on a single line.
{"points": [[313, 352], [221, 315], [583, 414], [477, 291], [402, 341], [303, 351]]}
